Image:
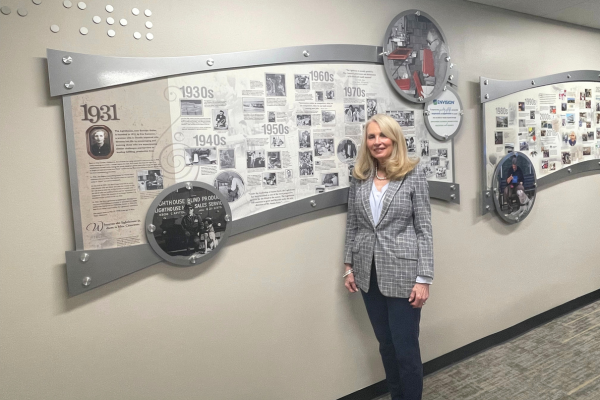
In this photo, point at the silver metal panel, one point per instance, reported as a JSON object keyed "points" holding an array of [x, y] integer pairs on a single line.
{"points": [[90, 72], [445, 191], [492, 89], [454, 75], [578, 168], [487, 203], [428, 125], [73, 180], [106, 265]]}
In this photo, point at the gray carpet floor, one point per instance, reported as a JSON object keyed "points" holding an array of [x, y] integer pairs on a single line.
{"points": [[557, 361]]}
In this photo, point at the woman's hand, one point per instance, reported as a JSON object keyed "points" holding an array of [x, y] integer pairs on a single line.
{"points": [[349, 281], [419, 294]]}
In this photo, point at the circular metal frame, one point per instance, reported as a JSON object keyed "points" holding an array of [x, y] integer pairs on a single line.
{"points": [[186, 261], [496, 195], [386, 62], [427, 115]]}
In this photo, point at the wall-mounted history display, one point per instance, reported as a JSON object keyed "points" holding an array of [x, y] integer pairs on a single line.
{"points": [[552, 121]]}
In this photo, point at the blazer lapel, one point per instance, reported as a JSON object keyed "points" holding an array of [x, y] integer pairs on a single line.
{"points": [[393, 187], [365, 194]]}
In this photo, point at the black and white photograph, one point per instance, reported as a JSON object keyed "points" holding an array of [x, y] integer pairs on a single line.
{"points": [[277, 141], [588, 93], [330, 179], [354, 113], [303, 120], [306, 166], [543, 132], [304, 139], [227, 158], [302, 82], [269, 178], [590, 135], [597, 133], [193, 108], [319, 96], [255, 158], [523, 145], [566, 157], [521, 106], [434, 161], [411, 144], [587, 150], [323, 147], [545, 153], [219, 119], [273, 160], [371, 107], [289, 174], [424, 148], [498, 138], [99, 140], [416, 50], [150, 179], [442, 153], [597, 106], [584, 137], [440, 172], [231, 184], [522, 123], [532, 114], [403, 118], [328, 117], [253, 104], [588, 104], [563, 106], [271, 116], [194, 230], [501, 122], [200, 156], [275, 84], [546, 124], [346, 150], [330, 95]]}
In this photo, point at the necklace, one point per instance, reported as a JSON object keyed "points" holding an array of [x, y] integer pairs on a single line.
{"points": [[380, 178]]}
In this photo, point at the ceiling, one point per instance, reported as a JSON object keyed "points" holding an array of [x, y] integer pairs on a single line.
{"points": [[579, 12]]}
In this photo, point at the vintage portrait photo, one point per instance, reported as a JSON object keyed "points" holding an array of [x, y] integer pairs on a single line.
{"points": [[306, 165], [253, 104], [269, 179], [346, 150], [200, 155], [330, 179], [255, 159], [411, 144], [302, 82], [566, 157], [219, 119], [273, 160], [371, 107], [227, 158], [303, 120], [100, 142], [498, 137], [521, 106], [403, 118], [354, 113], [319, 96], [230, 183], [271, 116], [424, 148], [323, 147], [330, 94], [150, 179], [275, 84], [328, 117], [191, 108], [304, 139]]}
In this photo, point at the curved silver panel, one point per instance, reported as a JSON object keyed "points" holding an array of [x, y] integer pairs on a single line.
{"points": [[88, 72], [491, 89]]}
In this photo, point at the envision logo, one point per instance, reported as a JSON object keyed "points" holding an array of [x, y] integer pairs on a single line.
{"points": [[436, 102]]}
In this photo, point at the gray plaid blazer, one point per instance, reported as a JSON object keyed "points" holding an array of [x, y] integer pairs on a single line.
{"points": [[401, 241]]}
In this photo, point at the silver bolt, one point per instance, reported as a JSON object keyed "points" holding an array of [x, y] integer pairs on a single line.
{"points": [[420, 98], [568, 76], [418, 13], [453, 196], [495, 190], [487, 96], [534, 184], [313, 203], [569, 170], [487, 194], [227, 218], [84, 257], [305, 53], [461, 112], [193, 259], [447, 58], [486, 82], [445, 88], [451, 65], [385, 53], [87, 281], [210, 62], [188, 185], [452, 187], [451, 77], [151, 228], [487, 207], [70, 85], [517, 219], [533, 82], [426, 112], [446, 137], [67, 60]]}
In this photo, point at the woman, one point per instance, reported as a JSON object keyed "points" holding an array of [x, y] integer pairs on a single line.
{"points": [[389, 250]]}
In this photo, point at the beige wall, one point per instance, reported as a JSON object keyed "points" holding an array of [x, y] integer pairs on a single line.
{"points": [[262, 321]]}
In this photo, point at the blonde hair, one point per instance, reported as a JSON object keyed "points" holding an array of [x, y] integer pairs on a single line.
{"points": [[398, 165]]}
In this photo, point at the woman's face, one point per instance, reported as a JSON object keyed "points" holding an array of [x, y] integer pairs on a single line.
{"points": [[380, 146], [572, 136]]}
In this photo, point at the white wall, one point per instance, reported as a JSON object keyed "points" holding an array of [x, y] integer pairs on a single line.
{"points": [[262, 321]]}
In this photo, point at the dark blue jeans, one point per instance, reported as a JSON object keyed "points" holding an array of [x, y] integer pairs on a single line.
{"points": [[396, 326]]}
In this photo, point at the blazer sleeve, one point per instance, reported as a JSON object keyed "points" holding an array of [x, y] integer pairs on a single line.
{"points": [[422, 224], [351, 223]]}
